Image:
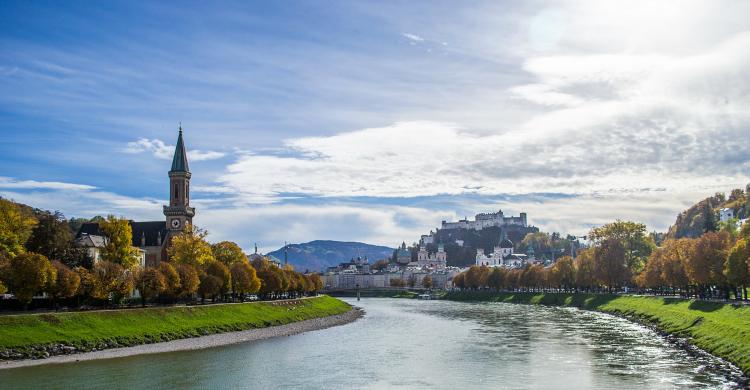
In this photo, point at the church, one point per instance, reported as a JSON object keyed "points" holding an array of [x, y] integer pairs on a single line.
{"points": [[152, 237], [501, 256]]}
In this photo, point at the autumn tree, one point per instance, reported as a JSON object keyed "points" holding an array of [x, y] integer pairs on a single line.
{"points": [[16, 225], [632, 236], [705, 266], [458, 281], [585, 265], [473, 277], [220, 271], [150, 284], [496, 278], [66, 282], [29, 274], [271, 280], [118, 246], [210, 285], [736, 268], [674, 257], [563, 273], [397, 282], [244, 279], [171, 278], [610, 264], [228, 253], [316, 283], [189, 280], [427, 282], [111, 280], [190, 247], [650, 277]]}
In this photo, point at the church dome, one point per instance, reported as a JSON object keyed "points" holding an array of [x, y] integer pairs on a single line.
{"points": [[506, 243]]}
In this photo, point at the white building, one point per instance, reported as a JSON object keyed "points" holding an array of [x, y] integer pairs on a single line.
{"points": [[436, 260], [501, 256], [485, 220], [726, 214]]}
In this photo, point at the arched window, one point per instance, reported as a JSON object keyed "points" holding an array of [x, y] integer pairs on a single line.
{"points": [[176, 192]]}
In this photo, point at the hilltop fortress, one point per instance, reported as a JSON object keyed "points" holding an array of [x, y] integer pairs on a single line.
{"points": [[485, 220]]}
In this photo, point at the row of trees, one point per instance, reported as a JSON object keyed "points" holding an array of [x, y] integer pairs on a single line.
{"points": [[37, 256], [622, 255]]}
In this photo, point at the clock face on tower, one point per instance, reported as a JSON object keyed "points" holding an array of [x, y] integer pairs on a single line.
{"points": [[175, 223]]}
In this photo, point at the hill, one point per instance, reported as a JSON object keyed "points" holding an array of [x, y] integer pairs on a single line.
{"points": [[704, 215], [319, 254]]}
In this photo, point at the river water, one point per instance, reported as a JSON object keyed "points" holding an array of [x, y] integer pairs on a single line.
{"points": [[403, 343]]}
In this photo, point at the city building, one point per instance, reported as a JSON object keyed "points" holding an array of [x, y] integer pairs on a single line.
{"points": [[152, 237], [726, 214]]}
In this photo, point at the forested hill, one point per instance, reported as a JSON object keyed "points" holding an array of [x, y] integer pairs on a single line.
{"points": [[320, 254], [704, 215]]}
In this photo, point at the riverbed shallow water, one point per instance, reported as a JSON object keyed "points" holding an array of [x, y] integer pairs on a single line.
{"points": [[403, 343]]}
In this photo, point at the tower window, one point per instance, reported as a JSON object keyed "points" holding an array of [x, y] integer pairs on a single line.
{"points": [[176, 192]]}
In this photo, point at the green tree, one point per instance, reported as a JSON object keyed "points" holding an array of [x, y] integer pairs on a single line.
{"points": [[16, 225], [191, 247], [51, 236], [228, 253], [119, 242], [29, 274], [636, 242]]}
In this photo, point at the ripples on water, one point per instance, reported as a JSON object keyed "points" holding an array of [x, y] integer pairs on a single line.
{"points": [[419, 344]]}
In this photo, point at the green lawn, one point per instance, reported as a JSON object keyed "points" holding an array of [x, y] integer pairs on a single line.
{"points": [[138, 326], [720, 329]]}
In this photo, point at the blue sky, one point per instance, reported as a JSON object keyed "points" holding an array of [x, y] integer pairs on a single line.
{"points": [[374, 121]]}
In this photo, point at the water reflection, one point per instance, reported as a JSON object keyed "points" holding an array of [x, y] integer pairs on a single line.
{"points": [[418, 344]]}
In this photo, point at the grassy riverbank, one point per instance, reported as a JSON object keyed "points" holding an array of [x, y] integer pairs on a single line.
{"points": [[720, 329], [40, 335]]}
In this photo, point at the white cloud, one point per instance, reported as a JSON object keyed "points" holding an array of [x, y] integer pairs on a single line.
{"points": [[10, 183], [412, 37], [165, 152]]}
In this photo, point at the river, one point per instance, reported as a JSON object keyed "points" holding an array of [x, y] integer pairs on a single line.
{"points": [[403, 343]]}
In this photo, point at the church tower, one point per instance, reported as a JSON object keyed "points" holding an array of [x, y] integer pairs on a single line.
{"points": [[179, 213]]}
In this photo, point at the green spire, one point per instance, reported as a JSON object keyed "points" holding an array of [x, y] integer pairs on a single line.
{"points": [[180, 162]]}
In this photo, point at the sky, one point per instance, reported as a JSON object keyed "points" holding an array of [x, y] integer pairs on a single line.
{"points": [[375, 121]]}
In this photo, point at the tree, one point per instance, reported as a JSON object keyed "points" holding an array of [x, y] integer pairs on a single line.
{"points": [[244, 278], [190, 247], [189, 280], [650, 277], [271, 280], [16, 225], [209, 285], [458, 281], [705, 267], [585, 269], [316, 283], [150, 283], [29, 274], [427, 282], [119, 242], [674, 257], [228, 253], [110, 280], [171, 278], [496, 278], [222, 272], [610, 264], [65, 284], [636, 243], [397, 282], [380, 265], [411, 281], [736, 268], [563, 273], [51, 236]]}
